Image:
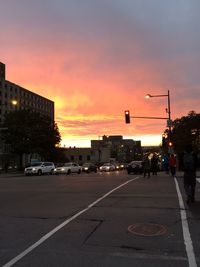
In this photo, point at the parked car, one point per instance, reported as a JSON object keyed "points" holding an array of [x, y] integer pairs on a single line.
{"points": [[135, 167], [40, 168], [107, 167], [89, 167], [67, 168]]}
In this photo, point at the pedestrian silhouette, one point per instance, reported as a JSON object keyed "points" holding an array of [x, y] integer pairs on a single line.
{"points": [[146, 166], [172, 164], [189, 168], [154, 164]]}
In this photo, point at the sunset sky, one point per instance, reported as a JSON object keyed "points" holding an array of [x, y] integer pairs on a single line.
{"points": [[97, 58]]}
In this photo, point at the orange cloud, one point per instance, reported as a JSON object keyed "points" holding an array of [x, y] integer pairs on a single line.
{"points": [[102, 62]]}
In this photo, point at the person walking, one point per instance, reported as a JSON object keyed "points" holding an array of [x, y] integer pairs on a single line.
{"points": [[189, 168], [154, 164], [166, 163], [172, 164], [146, 166]]}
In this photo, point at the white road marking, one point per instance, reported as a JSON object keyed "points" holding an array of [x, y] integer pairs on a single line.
{"points": [[186, 232], [48, 235], [198, 180]]}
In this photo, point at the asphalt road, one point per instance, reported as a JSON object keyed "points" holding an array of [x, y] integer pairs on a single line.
{"points": [[102, 219]]}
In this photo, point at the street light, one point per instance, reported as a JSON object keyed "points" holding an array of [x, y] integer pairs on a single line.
{"points": [[168, 110], [14, 102]]}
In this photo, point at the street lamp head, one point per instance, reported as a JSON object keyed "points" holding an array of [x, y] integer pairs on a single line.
{"points": [[147, 96], [14, 102]]}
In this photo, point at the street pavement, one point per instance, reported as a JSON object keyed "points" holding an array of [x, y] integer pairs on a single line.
{"points": [[98, 220]]}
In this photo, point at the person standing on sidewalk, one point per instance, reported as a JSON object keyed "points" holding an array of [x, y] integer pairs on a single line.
{"points": [[146, 166], [172, 164], [189, 168], [154, 164], [166, 163]]}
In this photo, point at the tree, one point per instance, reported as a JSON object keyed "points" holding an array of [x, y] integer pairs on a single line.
{"points": [[186, 131], [30, 132]]}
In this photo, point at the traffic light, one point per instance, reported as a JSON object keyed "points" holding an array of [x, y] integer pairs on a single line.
{"points": [[127, 116], [170, 144]]}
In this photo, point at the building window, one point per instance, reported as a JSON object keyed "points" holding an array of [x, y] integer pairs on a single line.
{"points": [[80, 157], [72, 158], [88, 157]]}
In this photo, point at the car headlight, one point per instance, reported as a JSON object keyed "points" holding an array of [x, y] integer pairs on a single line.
{"points": [[33, 169], [62, 169], [86, 168]]}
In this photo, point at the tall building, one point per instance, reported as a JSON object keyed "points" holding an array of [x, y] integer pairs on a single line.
{"points": [[24, 98]]}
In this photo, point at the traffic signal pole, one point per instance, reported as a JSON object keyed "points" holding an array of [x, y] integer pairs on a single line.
{"points": [[168, 110], [160, 118]]}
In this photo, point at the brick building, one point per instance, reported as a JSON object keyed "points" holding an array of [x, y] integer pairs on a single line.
{"points": [[24, 99]]}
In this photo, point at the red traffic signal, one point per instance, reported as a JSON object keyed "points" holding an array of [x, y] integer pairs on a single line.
{"points": [[127, 116], [170, 144]]}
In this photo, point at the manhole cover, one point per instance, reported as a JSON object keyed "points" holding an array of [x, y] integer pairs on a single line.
{"points": [[147, 229]]}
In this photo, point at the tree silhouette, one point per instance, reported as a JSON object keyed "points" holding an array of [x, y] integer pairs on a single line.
{"points": [[186, 131], [30, 132]]}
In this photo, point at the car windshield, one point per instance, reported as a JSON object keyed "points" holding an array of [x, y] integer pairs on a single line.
{"points": [[86, 164], [67, 164], [36, 164], [106, 164], [136, 162]]}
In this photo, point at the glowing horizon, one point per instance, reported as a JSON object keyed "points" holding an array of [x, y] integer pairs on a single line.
{"points": [[148, 140]]}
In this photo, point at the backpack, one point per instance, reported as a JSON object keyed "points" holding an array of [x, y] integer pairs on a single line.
{"points": [[188, 162]]}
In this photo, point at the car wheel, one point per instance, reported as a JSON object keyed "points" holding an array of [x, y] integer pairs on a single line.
{"points": [[39, 172], [79, 171], [68, 172]]}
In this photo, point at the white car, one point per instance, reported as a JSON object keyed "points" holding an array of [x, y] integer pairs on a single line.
{"points": [[67, 168], [107, 167], [40, 168]]}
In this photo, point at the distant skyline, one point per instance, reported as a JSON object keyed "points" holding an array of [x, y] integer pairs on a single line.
{"points": [[95, 59]]}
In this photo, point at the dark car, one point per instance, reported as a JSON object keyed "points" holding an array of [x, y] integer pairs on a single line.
{"points": [[135, 167], [89, 167]]}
